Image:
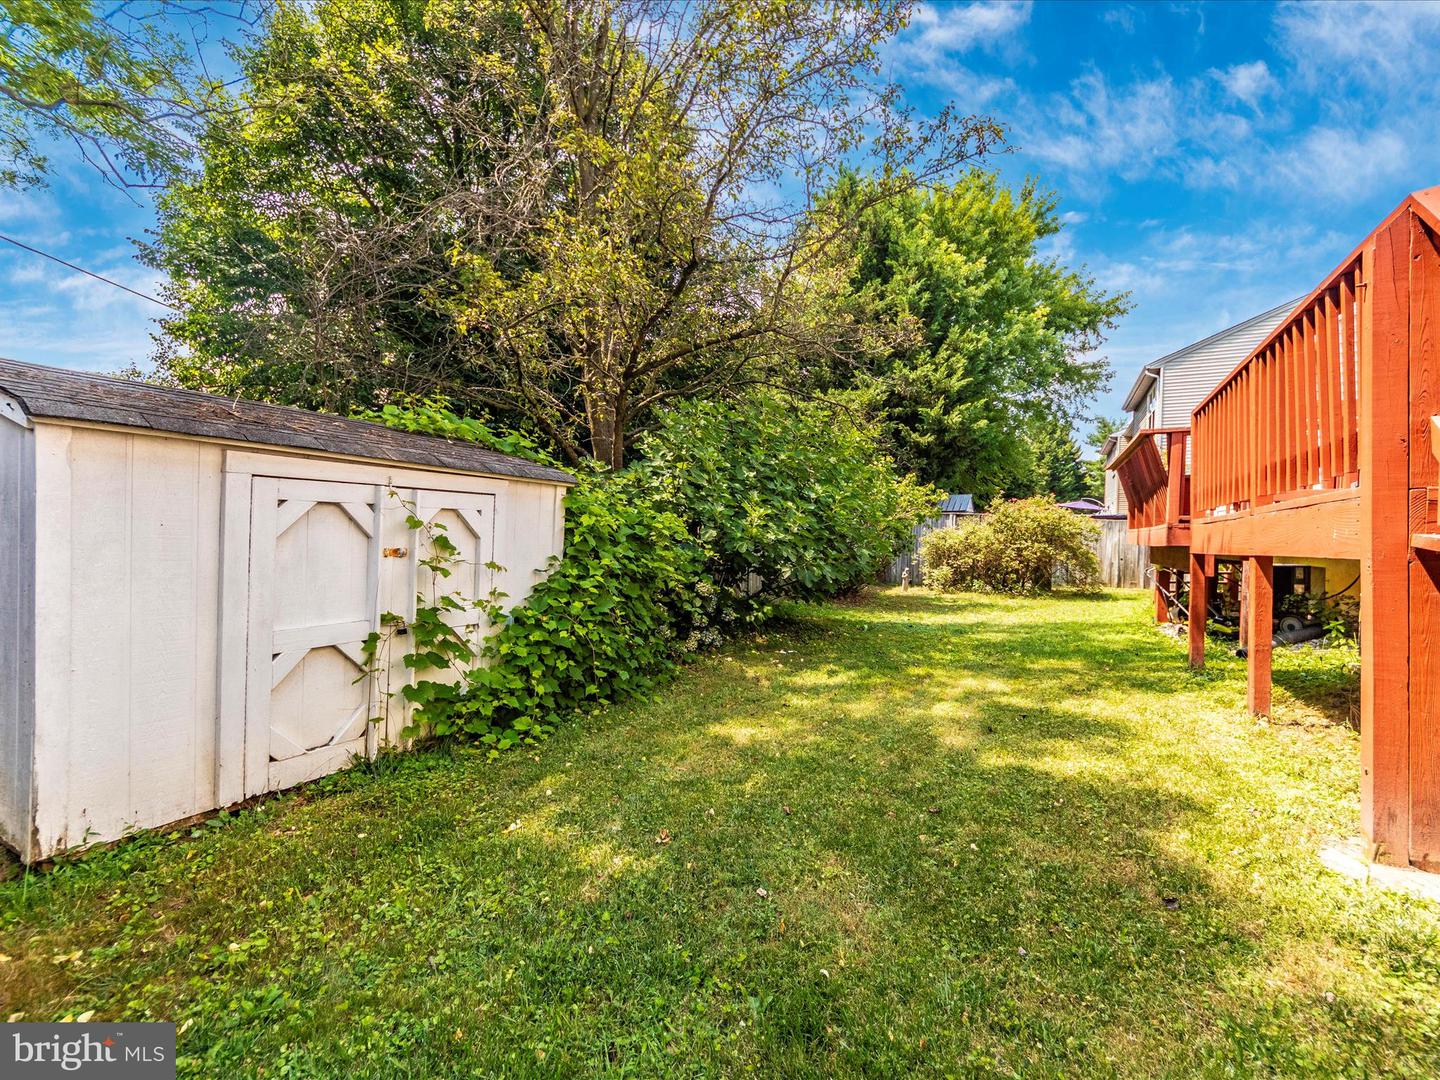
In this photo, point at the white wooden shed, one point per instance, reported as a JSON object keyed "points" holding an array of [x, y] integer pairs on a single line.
{"points": [[186, 582]]}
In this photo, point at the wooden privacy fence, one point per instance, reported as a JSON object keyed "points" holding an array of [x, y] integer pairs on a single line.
{"points": [[1123, 563]]}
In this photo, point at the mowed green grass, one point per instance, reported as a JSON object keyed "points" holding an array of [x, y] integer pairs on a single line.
{"points": [[909, 836]]}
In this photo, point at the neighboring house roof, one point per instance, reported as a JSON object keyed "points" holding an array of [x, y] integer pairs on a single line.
{"points": [[1225, 344], [958, 504], [59, 394]]}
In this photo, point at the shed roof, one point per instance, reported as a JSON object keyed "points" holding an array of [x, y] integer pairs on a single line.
{"points": [[958, 504], [56, 393]]}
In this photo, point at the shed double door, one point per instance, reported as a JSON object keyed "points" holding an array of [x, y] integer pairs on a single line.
{"points": [[320, 574]]}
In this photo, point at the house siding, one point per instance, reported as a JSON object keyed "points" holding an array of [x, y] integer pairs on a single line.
{"points": [[1187, 379], [1115, 501]]}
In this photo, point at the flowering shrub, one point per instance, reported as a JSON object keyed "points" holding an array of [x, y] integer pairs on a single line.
{"points": [[1024, 546]]}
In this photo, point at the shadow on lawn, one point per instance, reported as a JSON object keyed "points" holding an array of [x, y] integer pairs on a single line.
{"points": [[1331, 690], [873, 846]]}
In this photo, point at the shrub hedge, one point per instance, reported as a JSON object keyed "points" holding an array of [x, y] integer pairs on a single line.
{"points": [[1024, 546], [729, 508], [783, 500]]}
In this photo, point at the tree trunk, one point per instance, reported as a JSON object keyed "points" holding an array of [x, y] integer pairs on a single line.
{"points": [[607, 434]]}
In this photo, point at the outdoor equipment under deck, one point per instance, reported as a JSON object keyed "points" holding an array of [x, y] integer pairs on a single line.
{"points": [[1324, 443]]}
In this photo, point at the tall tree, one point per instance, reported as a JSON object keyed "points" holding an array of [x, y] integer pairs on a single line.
{"points": [[1057, 465], [566, 213], [1002, 338], [123, 83], [1095, 466]]}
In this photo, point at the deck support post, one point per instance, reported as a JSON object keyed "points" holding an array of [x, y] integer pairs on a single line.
{"points": [[1423, 744], [1201, 578], [1385, 607], [1164, 584], [1424, 844], [1259, 622]]}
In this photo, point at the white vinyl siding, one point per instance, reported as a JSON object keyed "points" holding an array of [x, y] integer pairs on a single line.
{"points": [[1185, 378], [1115, 501], [1188, 379], [1145, 416]]}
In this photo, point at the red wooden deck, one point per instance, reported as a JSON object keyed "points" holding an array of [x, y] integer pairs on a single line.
{"points": [[1324, 443]]}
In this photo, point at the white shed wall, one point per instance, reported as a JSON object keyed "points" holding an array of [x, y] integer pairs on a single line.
{"points": [[134, 704], [17, 629], [127, 580]]}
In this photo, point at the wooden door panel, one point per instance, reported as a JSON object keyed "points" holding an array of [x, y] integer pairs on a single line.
{"points": [[468, 521], [322, 565], [313, 595]]}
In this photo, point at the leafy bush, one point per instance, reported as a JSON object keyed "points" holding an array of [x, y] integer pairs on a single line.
{"points": [[433, 416], [658, 557], [784, 499], [601, 626], [1022, 547]]}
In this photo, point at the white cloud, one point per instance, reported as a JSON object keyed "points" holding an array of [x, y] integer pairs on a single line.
{"points": [[1367, 43], [939, 35], [958, 28], [1250, 83], [1339, 163], [27, 207], [1100, 128], [1192, 132], [1123, 17], [50, 315]]}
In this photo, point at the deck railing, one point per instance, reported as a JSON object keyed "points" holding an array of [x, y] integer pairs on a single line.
{"points": [[1153, 470], [1284, 423]]}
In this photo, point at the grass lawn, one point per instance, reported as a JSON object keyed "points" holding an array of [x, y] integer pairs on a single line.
{"points": [[909, 836]]}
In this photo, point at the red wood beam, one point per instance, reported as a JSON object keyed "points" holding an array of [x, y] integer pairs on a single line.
{"points": [[1163, 587], [1424, 606], [1175, 509], [1201, 573], [1424, 844], [1318, 524], [1384, 416], [1259, 624]]}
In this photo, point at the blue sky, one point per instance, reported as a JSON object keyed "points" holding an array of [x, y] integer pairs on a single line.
{"points": [[1211, 159]]}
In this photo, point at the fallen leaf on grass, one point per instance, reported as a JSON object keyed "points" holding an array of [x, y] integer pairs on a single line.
{"points": [[663, 837]]}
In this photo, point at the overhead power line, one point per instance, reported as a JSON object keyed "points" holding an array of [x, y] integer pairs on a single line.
{"points": [[87, 273]]}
